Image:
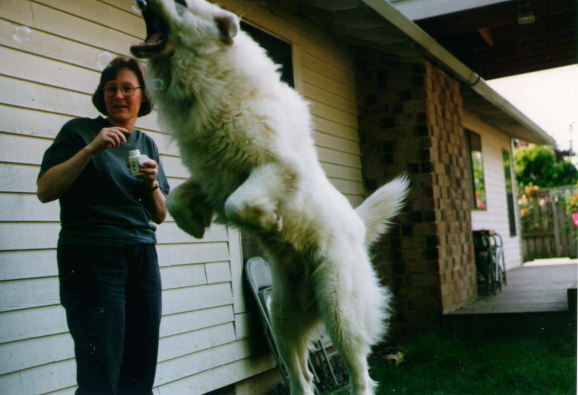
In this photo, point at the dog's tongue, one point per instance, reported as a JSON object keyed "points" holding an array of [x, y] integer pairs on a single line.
{"points": [[155, 38], [148, 45]]}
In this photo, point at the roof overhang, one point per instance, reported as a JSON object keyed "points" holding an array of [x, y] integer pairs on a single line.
{"points": [[377, 25], [501, 38]]}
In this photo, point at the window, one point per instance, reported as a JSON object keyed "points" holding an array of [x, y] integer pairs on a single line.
{"points": [[280, 52], [509, 191], [476, 162], [277, 49]]}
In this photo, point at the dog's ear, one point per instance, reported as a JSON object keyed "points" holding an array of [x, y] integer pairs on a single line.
{"points": [[228, 25]]}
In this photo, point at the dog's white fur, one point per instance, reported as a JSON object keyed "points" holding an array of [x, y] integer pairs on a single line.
{"points": [[246, 138]]}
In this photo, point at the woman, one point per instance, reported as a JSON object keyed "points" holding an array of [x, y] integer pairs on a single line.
{"points": [[109, 276]]}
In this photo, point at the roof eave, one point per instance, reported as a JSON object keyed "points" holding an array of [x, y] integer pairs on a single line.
{"points": [[516, 124]]}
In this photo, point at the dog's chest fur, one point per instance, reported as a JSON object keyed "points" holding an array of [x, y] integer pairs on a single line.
{"points": [[229, 119]]}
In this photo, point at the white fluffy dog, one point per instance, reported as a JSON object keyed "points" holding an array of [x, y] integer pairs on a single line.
{"points": [[246, 138]]}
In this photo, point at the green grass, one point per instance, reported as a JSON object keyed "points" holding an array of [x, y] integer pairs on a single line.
{"points": [[538, 364]]}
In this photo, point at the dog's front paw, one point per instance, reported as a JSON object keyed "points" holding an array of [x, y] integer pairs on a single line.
{"points": [[186, 204], [268, 218], [189, 222], [256, 215]]}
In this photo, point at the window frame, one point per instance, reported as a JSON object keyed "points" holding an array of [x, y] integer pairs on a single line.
{"points": [[510, 190], [477, 171]]}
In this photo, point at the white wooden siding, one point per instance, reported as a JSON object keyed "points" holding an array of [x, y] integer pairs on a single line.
{"points": [[206, 334], [495, 217], [328, 83]]}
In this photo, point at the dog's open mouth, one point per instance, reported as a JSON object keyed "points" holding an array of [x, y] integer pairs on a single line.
{"points": [[157, 34]]}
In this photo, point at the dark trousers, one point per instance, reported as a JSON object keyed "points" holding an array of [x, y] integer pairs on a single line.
{"points": [[112, 297]]}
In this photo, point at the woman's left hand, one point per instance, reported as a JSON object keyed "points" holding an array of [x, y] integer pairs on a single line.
{"points": [[154, 197], [150, 170]]}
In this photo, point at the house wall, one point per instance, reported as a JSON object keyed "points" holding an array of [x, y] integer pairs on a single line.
{"points": [[209, 338], [495, 216]]}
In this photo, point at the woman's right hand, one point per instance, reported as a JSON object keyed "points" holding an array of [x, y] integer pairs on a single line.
{"points": [[59, 178], [108, 138]]}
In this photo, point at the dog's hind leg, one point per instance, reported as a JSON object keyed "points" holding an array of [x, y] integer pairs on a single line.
{"points": [[353, 307], [293, 328], [187, 205]]}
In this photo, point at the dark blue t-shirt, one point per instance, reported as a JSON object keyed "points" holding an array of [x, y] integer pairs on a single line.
{"points": [[105, 204]]}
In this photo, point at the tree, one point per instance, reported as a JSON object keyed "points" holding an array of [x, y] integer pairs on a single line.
{"points": [[541, 166]]}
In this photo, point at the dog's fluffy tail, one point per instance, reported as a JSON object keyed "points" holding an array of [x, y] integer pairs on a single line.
{"points": [[381, 206]]}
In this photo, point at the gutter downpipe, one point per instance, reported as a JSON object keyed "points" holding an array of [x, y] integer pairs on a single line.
{"points": [[465, 74]]}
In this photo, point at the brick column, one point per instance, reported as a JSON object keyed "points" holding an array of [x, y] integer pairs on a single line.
{"points": [[411, 121]]}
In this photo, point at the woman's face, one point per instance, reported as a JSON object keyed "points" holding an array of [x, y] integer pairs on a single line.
{"points": [[122, 109]]}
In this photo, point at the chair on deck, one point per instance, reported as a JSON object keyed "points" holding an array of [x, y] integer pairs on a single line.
{"points": [[490, 262], [497, 246], [260, 281]]}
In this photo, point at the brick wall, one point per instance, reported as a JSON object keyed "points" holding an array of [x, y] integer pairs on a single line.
{"points": [[411, 121]]}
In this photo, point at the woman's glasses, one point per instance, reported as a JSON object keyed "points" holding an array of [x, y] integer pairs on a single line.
{"points": [[126, 90]]}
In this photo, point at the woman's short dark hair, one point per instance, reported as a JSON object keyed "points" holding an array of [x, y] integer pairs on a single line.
{"points": [[110, 73]]}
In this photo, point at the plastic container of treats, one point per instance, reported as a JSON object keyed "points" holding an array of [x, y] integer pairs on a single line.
{"points": [[136, 160]]}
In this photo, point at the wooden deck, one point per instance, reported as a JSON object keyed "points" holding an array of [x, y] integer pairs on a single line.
{"points": [[536, 287], [536, 299]]}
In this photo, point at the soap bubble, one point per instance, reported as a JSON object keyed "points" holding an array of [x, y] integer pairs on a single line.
{"points": [[157, 84], [103, 59], [22, 34]]}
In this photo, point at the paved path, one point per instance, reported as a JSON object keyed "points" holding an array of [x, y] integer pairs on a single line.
{"points": [[538, 286]]}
